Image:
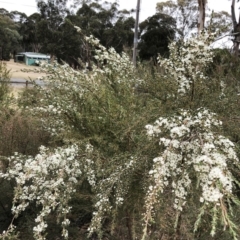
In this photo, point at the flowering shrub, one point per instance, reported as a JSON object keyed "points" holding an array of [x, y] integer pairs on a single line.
{"points": [[64, 86], [68, 91], [111, 63], [193, 154], [76, 105], [102, 107], [49, 180], [117, 180], [4, 88], [187, 62]]}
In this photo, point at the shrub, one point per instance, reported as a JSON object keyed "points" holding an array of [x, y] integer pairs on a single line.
{"points": [[101, 150]]}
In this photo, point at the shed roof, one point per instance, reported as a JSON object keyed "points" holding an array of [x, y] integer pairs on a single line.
{"points": [[34, 55]]}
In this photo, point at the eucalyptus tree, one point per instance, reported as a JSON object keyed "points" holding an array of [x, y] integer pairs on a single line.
{"points": [[5, 12], [70, 44], [18, 17], [104, 21], [195, 15], [10, 37], [52, 14], [220, 23], [101, 19], [156, 32], [236, 29], [185, 12], [30, 34], [202, 14], [121, 35]]}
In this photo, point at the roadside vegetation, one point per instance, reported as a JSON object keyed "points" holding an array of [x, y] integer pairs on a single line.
{"points": [[116, 152]]}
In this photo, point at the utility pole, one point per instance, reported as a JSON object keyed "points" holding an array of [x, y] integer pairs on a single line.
{"points": [[135, 41]]}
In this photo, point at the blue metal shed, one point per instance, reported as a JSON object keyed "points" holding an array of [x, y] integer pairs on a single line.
{"points": [[31, 58]]}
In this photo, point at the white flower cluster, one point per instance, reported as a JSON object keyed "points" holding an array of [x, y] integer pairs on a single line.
{"points": [[62, 109], [49, 179], [186, 64], [65, 88], [116, 183], [191, 151], [112, 63]]}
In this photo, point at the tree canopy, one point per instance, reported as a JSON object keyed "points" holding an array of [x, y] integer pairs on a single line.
{"points": [[156, 33], [10, 37], [51, 30]]}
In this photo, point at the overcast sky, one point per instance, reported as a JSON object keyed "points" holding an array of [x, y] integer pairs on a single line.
{"points": [[147, 6]]}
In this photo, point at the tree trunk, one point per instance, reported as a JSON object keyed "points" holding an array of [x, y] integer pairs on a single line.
{"points": [[202, 9], [236, 30]]}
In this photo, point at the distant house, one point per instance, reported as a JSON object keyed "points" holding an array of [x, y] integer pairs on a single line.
{"points": [[31, 58]]}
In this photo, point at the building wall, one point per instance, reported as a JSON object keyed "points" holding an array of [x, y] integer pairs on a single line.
{"points": [[31, 60]]}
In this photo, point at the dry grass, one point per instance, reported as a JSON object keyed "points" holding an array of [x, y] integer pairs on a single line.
{"points": [[16, 70], [21, 133], [15, 91]]}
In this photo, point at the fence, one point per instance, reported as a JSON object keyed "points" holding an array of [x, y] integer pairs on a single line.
{"points": [[23, 82]]}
